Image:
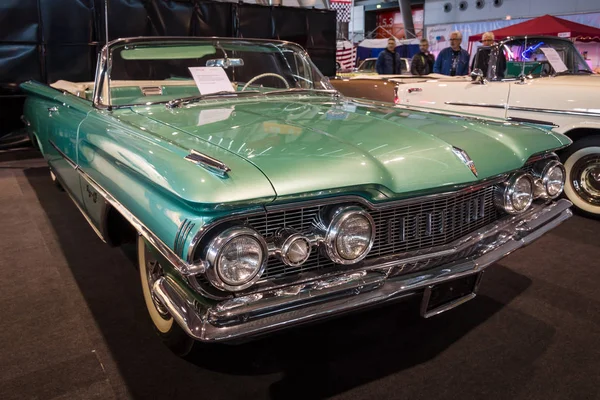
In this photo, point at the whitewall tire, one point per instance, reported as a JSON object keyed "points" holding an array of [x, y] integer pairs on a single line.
{"points": [[168, 330], [582, 164]]}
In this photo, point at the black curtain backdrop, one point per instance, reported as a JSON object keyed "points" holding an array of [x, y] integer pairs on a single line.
{"points": [[47, 40]]}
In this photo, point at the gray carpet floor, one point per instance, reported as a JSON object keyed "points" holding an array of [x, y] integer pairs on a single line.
{"points": [[74, 325]]}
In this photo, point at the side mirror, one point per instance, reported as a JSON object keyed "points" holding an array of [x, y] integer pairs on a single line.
{"points": [[477, 76], [225, 62]]}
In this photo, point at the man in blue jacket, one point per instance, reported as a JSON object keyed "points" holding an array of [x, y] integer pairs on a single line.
{"points": [[452, 60], [389, 62]]}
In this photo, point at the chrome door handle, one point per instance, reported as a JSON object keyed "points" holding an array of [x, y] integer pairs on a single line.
{"points": [[52, 109], [416, 89]]}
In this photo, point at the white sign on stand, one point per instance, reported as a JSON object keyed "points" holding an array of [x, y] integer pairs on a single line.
{"points": [[554, 59], [211, 80]]}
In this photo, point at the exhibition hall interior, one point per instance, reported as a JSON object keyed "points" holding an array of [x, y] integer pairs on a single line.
{"points": [[299, 199]]}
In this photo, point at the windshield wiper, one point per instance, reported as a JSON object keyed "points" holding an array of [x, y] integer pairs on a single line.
{"points": [[300, 90], [184, 100]]}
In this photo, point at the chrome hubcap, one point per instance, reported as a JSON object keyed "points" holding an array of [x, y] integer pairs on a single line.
{"points": [[154, 271], [585, 178]]}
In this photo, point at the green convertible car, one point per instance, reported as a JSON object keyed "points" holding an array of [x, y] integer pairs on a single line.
{"points": [[260, 198]]}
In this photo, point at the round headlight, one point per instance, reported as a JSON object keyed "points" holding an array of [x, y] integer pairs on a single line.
{"points": [[350, 235], [516, 196], [553, 179], [237, 257]]}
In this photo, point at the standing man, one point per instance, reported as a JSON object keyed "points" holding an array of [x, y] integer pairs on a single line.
{"points": [[389, 62], [422, 62], [487, 39], [452, 60]]}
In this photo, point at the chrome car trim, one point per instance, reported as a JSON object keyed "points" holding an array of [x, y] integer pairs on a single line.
{"points": [[215, 248], [333, 229], [87, 218], [184, 268], [543, 175], [526, 109], [63, 155], [180, 265], [283, 241], [184, 229], [25, 121], [552, 111], [468, 104], [262, 312], [212, 164], [532, 121], [389, 204], [503, 197], [465, 158]]}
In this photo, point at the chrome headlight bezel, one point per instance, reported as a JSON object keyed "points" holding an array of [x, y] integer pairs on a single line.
{"points": [[283, 252], [504, 195], [545, 179], [338, 217], [214, 252]]}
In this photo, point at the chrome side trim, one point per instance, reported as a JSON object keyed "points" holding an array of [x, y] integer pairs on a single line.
{"points": [[25, 121], [526, 109], [212, 164], [63, 155], [468, 104], [184, 230], [390, 204], [532, 121], [259, 313], [184, 268], [87, 218], [551, 111]]}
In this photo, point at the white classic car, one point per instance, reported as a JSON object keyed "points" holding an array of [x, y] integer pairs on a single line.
{"points": [[367, 66], [529, 79]]}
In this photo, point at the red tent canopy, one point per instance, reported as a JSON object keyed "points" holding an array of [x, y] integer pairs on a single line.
{"points": [[547, 25]]}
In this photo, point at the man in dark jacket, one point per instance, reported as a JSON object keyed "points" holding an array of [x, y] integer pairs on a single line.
{"points": [[389, 62], [452, 60], [422, 62]]}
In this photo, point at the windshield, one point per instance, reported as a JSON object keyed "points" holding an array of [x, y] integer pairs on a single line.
{"points": [[165, 70], [542, 57], [368, 65]]}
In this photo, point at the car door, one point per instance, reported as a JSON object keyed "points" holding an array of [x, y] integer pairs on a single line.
{"points": [[455, 94], [65, 114]]}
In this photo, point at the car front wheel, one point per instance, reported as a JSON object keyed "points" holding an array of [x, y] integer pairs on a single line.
{"points": [[582, 163], [168, 330]]}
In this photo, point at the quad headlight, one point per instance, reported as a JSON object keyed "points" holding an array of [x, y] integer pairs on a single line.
{"points": [[517, 194], [237, 257], [350, 235], [551, 180]]}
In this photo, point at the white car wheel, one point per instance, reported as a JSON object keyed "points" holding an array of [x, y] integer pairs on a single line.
{"points": [[582, 163], [150, 270]]}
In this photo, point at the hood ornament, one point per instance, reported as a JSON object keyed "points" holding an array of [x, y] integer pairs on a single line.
{"points": [[464, 157]]}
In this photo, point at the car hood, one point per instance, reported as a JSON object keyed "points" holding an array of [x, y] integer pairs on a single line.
{"points": [[570, 80], [317, 145]]}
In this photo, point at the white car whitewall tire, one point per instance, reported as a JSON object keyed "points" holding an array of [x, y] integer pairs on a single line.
{"points": [[572, 158]]}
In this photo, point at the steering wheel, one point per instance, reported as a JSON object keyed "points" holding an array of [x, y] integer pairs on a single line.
{"points": [[257, 77]]}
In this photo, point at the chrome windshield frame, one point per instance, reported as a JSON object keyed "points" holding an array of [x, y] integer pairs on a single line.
{"points": [[101, 94]]}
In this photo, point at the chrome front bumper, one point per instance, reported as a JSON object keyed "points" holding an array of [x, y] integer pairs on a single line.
{"points": [[272, 310]]}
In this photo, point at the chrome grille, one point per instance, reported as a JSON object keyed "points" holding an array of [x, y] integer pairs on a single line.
{"points": [[399, 229]]}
